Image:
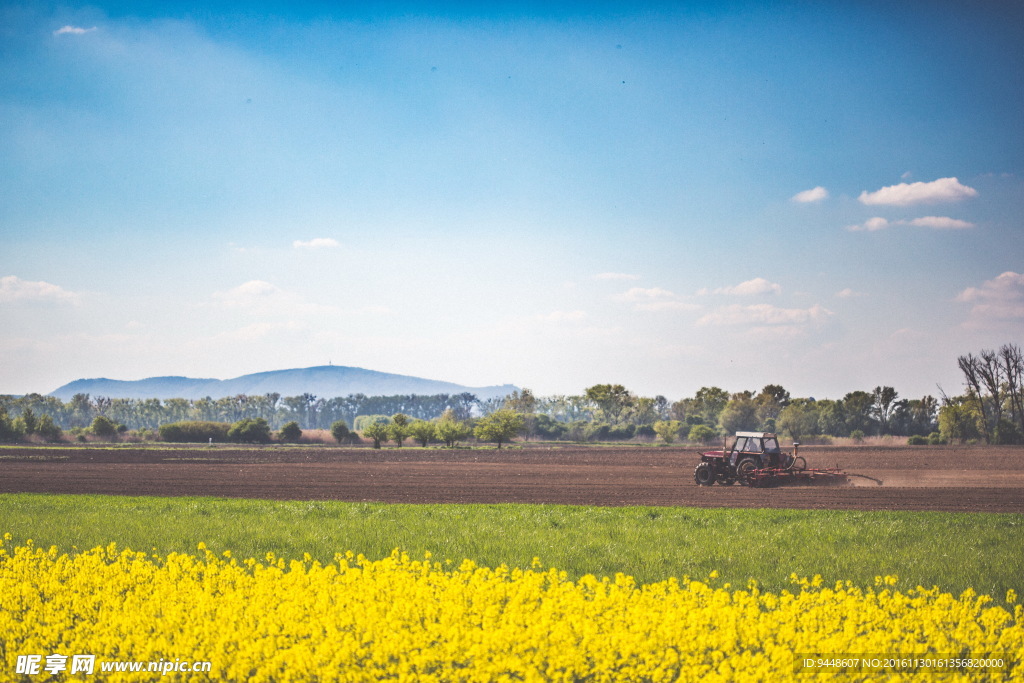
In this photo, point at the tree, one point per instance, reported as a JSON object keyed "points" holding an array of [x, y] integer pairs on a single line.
{"points": [[291, 432], [103, 427], [740, 414], [799, 419], [48, 430], [500, 426], [450, 429], [883, 403], [611, 399], [340, 431], [398, 430], [667, 429], [422, 431], [250, 431], [377, 431], [701, 433], [709, 402]]}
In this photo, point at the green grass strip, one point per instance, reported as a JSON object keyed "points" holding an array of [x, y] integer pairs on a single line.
{"points": [[954, 551]]}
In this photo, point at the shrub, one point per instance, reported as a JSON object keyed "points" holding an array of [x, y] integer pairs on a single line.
{"points": [[103, 427], [701, 433], [291, 432], [645, 431], [363, 421], [250, 431], [340, 432], [194, 432], [49, 430], [935, 439], [917, 440], [857, 435]]}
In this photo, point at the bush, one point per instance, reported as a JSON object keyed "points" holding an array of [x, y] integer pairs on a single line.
{"points": [[291, 432], [250, 431], [103, 427], [935, 439], [857, 435], [48, 429], [622, 432], [645, 431], [340, 432], [194, 432], [9, 429], [363, 421], [701, 433], [917, 440]]}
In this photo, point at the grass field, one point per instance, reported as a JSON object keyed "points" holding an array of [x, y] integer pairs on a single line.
{"points": [[952, 551]]}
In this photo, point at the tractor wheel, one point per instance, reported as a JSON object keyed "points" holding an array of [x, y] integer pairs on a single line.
{"points": [[703, 474], [744, 468]]}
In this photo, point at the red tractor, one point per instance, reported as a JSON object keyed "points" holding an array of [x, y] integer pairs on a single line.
{"points": [[755, 459]]}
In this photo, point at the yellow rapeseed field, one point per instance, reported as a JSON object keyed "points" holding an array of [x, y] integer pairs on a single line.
{"points": [[419, 620]]}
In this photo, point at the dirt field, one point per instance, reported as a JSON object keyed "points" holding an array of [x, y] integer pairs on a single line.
{"points": [[982, 479]]}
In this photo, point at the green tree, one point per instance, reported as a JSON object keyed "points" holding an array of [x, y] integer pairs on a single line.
{"points": [[340, 431], [423, 432], [250, 431], [450, 429], [500, 426], [398, 430], [701, 433], [799, 419], [709, 402], [10, 430], [377, 431], [668, 430], [612, 400], [291, 432], [103, 427], [48, 429], [739, 414]]}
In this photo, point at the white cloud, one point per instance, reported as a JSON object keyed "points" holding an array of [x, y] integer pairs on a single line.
{"points": [[816, 194], [13, 288], [905, 194], [750, 288], [941, 223], [616, 276], [317, 243], [654, 299], [997, 301], [847, 293], [765, 314], [933, 222], [263, 298], [870, 225], [641, 295], [73, 30]]}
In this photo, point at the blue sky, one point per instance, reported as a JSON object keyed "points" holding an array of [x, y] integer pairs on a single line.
{"points": [[828, 196]]}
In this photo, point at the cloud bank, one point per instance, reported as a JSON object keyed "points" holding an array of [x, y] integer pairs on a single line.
{"points": [[907, 194], [816, 194], [933, 222]]}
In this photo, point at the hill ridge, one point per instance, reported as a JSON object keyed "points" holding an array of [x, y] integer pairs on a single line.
{"points": [[325, 381]]}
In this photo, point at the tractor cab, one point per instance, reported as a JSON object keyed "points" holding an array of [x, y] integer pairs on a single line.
{"points": [[762, 446]]}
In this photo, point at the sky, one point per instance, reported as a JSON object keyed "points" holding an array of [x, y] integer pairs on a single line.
{"points": [[827, 196]]}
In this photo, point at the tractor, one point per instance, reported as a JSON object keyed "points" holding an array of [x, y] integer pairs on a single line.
{"points": [[751, 452]]}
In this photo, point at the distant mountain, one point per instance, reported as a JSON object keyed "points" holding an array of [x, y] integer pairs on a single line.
{"points": [[326, 381]]}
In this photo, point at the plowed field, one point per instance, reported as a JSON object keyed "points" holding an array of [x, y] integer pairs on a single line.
{"points": [[983, 479]]}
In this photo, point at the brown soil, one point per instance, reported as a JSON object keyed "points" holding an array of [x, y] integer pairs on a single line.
{"points": [[978, 479]]}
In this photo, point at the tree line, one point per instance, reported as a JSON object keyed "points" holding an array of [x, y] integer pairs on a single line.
{"points": [[991, 411]]}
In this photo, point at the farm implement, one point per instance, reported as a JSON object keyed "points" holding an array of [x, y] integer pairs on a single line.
{"points": [[755, 459]]}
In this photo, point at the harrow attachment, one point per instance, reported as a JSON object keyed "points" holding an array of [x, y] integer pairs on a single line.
{"points": [[795, 476]]}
